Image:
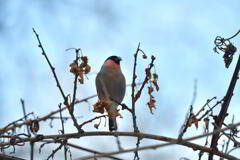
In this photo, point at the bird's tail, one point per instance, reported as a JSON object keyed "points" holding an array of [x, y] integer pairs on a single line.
{"points": [[112, 124]]}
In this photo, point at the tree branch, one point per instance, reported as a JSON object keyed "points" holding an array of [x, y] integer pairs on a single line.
{"points": [[131, 134], [6, 157], [133, 90], [223, 112], [50, 65], [90, 150], [170, 142]]}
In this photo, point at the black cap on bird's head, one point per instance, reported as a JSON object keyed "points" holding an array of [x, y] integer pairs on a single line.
{"points": [[116, 59]]}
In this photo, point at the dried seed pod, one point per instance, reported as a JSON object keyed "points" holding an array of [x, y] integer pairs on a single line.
{"points": [[34, 127]]}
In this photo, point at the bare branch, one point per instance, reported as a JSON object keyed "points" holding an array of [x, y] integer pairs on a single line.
{"points": [[171, 141], [63, 132], [90, 150], [118, 143], [50, 65], [29, 134], [183, 142], [6, 157], [89, 121], [14, 124], [133, 90], [223, 112], [55, 151]]}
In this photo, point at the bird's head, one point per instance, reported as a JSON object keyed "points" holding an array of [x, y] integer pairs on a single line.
{"points": [[113, 61]]}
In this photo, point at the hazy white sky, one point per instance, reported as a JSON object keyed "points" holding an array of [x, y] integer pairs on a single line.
{"points": [[179, 34]]}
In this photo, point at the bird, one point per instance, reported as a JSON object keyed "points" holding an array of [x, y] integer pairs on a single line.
{"points": [[111, 87]]}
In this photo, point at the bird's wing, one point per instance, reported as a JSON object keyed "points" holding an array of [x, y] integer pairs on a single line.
{"points": [[111, 83], [98, 82]]}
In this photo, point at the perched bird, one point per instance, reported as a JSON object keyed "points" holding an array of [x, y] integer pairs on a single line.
{"points": [[111, 87]]}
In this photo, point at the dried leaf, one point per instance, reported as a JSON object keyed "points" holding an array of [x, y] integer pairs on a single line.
{"points": [[34, 127], [150, 90], [73, 68], [155, 76], [81, 81], [81, 77], [196, 122], [87, 69], [151, 104], [82, 65], [155, 84], [84, 59], [80, 70], [193, 120], [206, 123], [148, 73], [100, 106], [189, 124]]}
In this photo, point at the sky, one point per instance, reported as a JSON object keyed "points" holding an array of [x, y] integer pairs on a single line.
{"points": [[179, 34]]}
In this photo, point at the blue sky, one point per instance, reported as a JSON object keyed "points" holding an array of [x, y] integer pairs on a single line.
{"points": [[179, 34]]}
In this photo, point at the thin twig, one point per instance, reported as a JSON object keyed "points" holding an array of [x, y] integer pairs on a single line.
{"points": [[233, 149], [194, 92], [118, 143], [76, 147], [29, 134], [124, 106], [64, 117], [190, 116], [135, 127], [227, 143], [184, 143], [24, 114], [138, 94], [233, 35], [210, 110], [63, 132], [65, 98], [228, 136], [51, 67], [133, 90], [14, 124], [136, 156], [90, 150], [71, 106], [89, 121], [55, 151], [203, 107], [185, 125]]}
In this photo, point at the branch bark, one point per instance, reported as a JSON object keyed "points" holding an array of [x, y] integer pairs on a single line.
{"points": [[223, 112], [170, 141]]}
